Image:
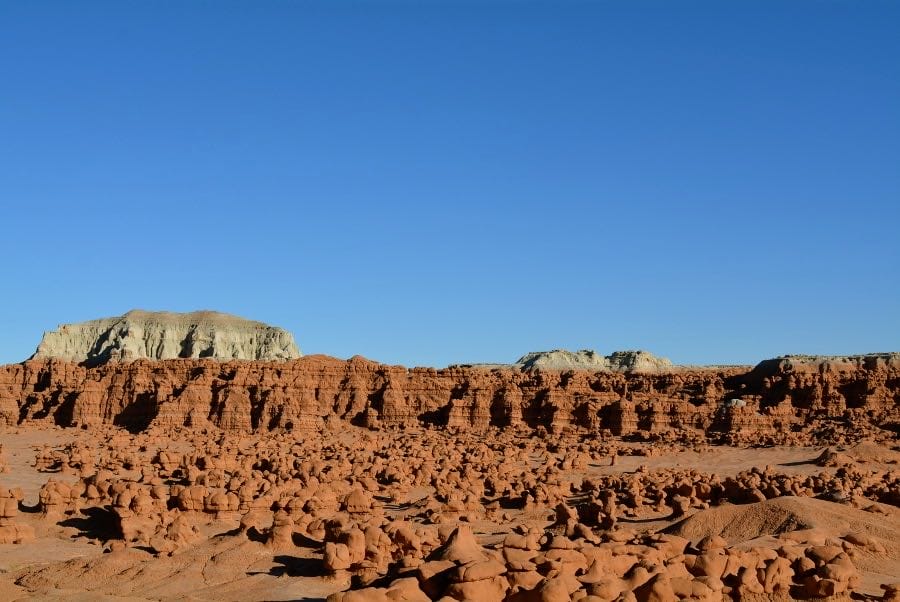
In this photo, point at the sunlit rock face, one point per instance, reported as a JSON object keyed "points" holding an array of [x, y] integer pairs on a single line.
{"points": [[772, 402], [586, 359], [166, 335]]}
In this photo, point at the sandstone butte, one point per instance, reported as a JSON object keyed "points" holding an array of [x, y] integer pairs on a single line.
{"points": [[201, 471], [165, 335]]}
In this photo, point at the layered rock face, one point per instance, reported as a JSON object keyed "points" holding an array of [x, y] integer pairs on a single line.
{"points": [[165, 335], [766, 404], [586, 359]]}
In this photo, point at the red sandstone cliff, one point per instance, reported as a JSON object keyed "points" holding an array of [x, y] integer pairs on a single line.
{"points": [[774, 397]]}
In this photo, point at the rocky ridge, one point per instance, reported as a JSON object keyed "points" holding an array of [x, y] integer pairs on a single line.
{"points": [[772, 402], [166, 335]]}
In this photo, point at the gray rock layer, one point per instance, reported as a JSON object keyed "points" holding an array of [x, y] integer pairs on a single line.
{"points": [[165, 335], [586, 359]]}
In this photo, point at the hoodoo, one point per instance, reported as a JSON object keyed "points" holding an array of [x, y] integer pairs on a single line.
{"points": [[167, 335]]}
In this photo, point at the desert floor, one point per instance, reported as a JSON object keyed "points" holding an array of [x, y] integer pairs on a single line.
{"points": [[74, 555]]}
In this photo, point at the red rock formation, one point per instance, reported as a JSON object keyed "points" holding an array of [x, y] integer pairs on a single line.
{"points": [[862, 392]]}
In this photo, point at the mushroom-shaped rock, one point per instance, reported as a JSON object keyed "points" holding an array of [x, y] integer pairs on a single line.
{"points": [[9, 509], [281, 535], [776, 576], [358, 501], [336, 557], [179, 534]]}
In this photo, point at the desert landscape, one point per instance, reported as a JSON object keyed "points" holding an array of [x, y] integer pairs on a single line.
{"points": [[162, 456], [449, 301]]}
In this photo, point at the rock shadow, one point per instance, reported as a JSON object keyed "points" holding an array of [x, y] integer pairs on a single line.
{"points": [[29, 509], [292, 566], [801, 462], [97, 523]]}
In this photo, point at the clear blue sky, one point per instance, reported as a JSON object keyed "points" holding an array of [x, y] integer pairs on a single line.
{"points": [[435, 182]]}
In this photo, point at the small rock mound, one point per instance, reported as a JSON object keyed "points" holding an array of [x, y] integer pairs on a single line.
{"points": [[778, 516], [166, 335]]}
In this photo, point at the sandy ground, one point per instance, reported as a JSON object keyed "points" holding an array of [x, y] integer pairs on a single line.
{"points": [[66, 561]]}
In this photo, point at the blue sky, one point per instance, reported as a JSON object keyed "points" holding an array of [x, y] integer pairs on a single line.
{"points": [[433, 182]]}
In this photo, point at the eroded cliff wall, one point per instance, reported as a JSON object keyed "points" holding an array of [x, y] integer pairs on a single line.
{"points": [[776, 397]]}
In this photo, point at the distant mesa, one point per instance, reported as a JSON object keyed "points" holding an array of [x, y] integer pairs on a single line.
{"points": [[831, 362], [647, 363], [825, 364], [167, 335], [587, 359]]}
